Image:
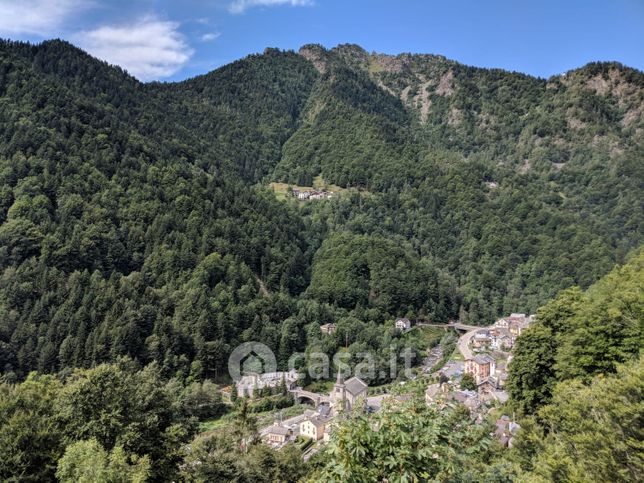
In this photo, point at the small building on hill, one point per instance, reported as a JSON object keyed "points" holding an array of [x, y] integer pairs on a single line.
{"points": [[403, 323], [327, 329]]}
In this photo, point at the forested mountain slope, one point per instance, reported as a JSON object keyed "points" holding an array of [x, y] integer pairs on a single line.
{"points": [[124, 232], [134, 218]]}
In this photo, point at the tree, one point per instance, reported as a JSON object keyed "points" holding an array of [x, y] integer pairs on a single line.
{"points": [[89, 462], [30, 439], [203, 400], [410, 442], [468, 382], [589, 430]]}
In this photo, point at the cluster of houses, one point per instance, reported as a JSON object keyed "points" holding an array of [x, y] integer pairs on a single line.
{"points": [[488, 367], [502, 335], [304, 195], [318, 424], [315, 425]]}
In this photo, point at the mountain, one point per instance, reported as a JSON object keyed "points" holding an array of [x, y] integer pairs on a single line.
{"points": [[141, 241], [136, 219]]}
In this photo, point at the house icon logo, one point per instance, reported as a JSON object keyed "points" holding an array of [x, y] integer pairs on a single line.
{"points": [[251, 357]]}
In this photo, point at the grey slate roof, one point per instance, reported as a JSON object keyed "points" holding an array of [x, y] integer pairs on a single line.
{"points": [[281, 430], [483, 359], [355, 386]]}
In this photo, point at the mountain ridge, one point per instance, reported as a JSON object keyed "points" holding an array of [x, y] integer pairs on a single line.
{"points": [[136, 219]]}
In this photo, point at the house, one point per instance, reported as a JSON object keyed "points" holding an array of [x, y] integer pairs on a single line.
{"points": [[301, 194], [403, 323], [469, 399], [480, 366], [516, 327], [487, 385], [314, 427], [327, 328], [346, 395], [250, 383], [481, 339], [311, 195], [278, 434], [501, 338]]}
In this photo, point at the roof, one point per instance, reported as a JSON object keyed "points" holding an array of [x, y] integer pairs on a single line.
{"points": [[317, 421], [483, 359], [402, 319], [355, 386], [279, 430]]}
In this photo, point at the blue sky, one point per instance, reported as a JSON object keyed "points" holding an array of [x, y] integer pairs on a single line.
{"points": [[173, 40]]}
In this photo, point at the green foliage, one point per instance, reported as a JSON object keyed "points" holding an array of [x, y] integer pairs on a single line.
{"points": [[411, 442], [592, 432], [88, 462], [202, 400], [134, 223], [353, 270], [103, 422], [219, 458], [468, 382], [30, 439], [580, 335]]}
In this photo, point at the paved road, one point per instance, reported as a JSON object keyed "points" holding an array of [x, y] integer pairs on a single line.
{"points": [[464, 342]]}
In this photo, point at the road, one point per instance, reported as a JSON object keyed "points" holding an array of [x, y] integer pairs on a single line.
{"points": [[464, 342]]}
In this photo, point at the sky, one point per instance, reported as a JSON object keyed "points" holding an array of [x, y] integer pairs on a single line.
{"points": [[174, 40]]}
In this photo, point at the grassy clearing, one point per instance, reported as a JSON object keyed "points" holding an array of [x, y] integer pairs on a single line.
{"points": [[425, 336]]}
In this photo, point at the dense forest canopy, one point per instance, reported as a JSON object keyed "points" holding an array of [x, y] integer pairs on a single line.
{"points": [[136, 219]]}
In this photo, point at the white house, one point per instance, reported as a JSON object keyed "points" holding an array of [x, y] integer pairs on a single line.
{"points": [[314, 427], [403, 323]]}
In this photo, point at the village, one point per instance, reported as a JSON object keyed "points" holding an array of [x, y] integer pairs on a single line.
{"points": [[311, 194], [475, 376]]}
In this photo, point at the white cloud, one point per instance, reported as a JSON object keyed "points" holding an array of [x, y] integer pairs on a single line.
{"points": [[210, 36], [148, 49], [240, 6], [37, 17]]}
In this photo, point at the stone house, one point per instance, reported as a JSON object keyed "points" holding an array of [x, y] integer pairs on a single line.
{"points": [[501, 338], [481, 339], [346, 395]]}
